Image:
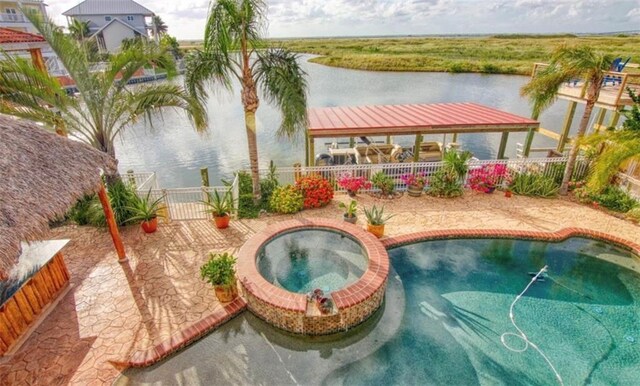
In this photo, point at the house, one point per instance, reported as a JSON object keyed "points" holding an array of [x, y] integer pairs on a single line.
{"points": [[110, 22], [11, 17]]}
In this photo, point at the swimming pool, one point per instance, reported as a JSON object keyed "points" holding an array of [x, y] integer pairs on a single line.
{"points": [[446, 309]]}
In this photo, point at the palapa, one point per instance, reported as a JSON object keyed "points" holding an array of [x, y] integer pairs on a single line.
{"points": [[41, 176]]}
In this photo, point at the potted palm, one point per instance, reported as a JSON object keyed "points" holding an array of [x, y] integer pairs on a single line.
{"points": [[349, 211], [220, 206], [376, 220], [146, 210], [219, 272], [415, 183]]}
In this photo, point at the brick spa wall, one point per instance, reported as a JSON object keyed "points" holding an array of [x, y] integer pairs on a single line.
{"points": [[287, 310]]}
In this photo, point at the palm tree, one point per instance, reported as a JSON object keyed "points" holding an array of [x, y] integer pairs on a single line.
{"points": [[79, 30], [233, 37], [159, 27], [618, 145], [569, 63], [105, 105]]}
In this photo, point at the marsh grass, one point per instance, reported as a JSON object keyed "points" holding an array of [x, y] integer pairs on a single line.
{"points": [[500, 54]]}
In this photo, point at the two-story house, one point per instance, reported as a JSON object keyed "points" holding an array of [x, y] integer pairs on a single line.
{"points": [[110, 22]]}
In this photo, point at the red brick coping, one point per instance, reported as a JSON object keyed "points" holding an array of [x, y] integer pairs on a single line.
{"points": [[560, 235], [276, 304], [184, 337]]}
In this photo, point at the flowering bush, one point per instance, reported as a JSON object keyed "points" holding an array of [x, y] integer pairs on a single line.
{"points": [[353, 184], [317, 191], [417, 179], [486, 178], [286, 199]]}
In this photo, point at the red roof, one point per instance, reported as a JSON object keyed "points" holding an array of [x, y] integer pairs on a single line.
{"points": [[8, 35], [435, 118]]}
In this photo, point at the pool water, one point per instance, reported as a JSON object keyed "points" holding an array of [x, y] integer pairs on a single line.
{"points": [[303, 260], [446, 308]]}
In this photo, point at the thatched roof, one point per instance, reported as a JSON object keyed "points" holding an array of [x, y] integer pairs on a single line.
{"points": [[41, 176]]}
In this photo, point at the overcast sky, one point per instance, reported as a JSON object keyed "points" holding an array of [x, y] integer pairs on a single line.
{"points": [[303, 18]]}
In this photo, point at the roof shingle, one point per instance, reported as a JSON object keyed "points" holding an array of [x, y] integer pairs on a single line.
{"points": [[111, 7], [8, 36]]}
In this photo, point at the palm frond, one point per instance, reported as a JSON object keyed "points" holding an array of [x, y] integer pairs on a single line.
{"points": [[207, 67], [283, 83]]}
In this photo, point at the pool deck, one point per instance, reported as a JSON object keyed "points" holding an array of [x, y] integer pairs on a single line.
{"points": [[117, 315]]}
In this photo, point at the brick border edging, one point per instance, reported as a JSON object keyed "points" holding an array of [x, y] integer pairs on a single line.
{"points": [[557, 236], [184, 337], [259, 289]]}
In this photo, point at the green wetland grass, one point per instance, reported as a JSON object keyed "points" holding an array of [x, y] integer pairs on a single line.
{"points": [[499, 54]]}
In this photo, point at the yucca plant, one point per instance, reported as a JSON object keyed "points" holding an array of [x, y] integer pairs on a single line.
{"points": [[219, 205], [145, 208]]}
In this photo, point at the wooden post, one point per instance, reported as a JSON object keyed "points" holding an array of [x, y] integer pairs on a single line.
{"points": [[352, 142], [566, 126], [131, 178], [600, 118], [306, 148], [297, 172], [503, 145], [204, 176], [455, 138], [312, 152], [416, 148], [38, 60], [111, 224], [614, 118], [388, 140]]}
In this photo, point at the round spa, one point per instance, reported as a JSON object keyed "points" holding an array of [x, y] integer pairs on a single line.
{"points": [[313, 276]]}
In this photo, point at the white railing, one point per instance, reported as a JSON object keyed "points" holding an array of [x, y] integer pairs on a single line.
{"points": [[180, 203], [631, 183], [550, 167]]}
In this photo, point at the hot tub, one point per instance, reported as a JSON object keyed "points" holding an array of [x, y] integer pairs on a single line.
{"points": [[282, 268]]}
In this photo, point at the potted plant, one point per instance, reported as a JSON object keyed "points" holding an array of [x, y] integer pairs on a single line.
{"points": [[488, 177], [220, 206], [145, 209], [349, 211], [415, 183], [219, 272], [353, 184], [385, 183], [376, 220]]}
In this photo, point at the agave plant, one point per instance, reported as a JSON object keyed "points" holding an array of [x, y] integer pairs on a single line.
{"points": [[219, 205], [375, 215], [145, 208]]}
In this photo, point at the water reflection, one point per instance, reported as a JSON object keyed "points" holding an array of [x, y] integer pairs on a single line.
{"points": [[173, 149]]}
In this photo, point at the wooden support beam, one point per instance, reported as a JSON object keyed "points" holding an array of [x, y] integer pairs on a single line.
{"points": [[416, 148], [306, 148], [566, 126], [111, 224], [503, 145], [388, 140], [38, 60], [352, 142], [614, 118], [312, 152], [600, 119], [548, 133]]}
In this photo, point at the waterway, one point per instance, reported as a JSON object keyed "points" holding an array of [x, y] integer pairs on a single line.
{"points": [[171, 147]]}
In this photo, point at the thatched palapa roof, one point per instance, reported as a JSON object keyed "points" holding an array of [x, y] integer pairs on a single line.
{"points": [[41, 176]]}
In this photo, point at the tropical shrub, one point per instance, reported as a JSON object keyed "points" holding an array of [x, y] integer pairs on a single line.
{"points": [[447, 181], [534, 184], [354, 184], [268, 185], [87, 211], [218, 270], [383, 182], [317, 191], [286, 199], [614, 198], [488, 177], [246, 206]]}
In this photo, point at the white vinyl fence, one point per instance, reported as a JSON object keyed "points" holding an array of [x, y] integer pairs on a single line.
{"points": [[180, 203], [550, 167]]}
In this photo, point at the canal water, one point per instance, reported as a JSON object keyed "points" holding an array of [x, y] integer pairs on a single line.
{"points": [[171, 148]]}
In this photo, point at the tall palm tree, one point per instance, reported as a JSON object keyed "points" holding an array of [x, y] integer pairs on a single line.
{"points": [[159, 26], [618, 146], [232, 42], [79, 30], [569, 63], [105, 106]]}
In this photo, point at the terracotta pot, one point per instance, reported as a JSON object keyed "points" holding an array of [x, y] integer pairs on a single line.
{"points": [[377, 230], [489, 189], [415, 190], [150, 226], [351, 193], [226, 293], [507, 193], [222, 221], [351, 220]]}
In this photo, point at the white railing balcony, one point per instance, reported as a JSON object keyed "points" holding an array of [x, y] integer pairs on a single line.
{"points": [[12, 18]]}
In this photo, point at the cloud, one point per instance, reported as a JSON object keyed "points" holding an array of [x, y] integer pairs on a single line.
{"points": [[292, 18]]}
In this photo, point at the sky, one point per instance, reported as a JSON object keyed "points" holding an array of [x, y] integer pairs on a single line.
{"points": [[310, 18]]}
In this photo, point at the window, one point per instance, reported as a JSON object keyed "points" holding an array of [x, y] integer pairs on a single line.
{"points": [[11, 14], [130, 18], [107, 18]]}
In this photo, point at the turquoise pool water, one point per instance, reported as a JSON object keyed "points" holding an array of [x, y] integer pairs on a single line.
{"points": [[304, 260], [446, 308]]}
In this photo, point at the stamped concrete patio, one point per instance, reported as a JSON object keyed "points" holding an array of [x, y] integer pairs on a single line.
{"points": [[115, 314]]}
